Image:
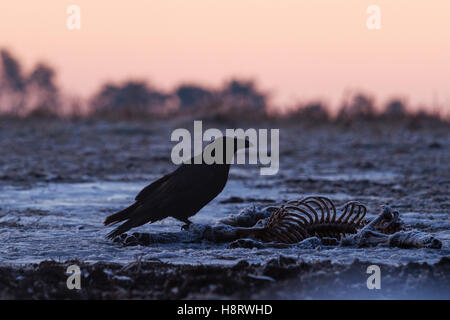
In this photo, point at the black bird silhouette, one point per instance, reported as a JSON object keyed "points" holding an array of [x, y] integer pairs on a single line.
{"points": [[181, 193]]}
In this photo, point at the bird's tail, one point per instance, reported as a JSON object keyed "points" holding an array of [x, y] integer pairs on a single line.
{"points": [[120, 229], [121, 215]]}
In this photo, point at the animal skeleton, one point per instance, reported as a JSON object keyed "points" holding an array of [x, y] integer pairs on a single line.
{"points": [[312, 217], [316, 217], [299, 221]]}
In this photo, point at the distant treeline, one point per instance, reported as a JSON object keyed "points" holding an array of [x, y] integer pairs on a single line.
{"points": [[36, 94]]}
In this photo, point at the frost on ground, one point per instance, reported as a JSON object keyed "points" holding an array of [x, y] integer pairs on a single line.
{"points": [[59, 180]]}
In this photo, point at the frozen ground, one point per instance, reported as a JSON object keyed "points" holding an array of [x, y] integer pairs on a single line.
{"points": [[58, 181], [63, 221]]}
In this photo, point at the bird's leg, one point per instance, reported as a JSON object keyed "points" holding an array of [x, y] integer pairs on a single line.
{"points": [[186, 226]]}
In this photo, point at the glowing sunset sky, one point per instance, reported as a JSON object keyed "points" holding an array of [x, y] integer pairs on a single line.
{"points": [[297, 50]]}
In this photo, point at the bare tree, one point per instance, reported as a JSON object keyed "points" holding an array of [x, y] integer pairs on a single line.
{"points": [[43, 94], [12, 83]]}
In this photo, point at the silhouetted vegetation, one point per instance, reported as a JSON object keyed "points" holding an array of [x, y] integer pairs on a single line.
{"points": [[43, 92], [241, 94], [313, 113], [395, 109], [136, 99], [129, 100], [36, 94], [33, 94], [360, 107], [192, 96], [12, 83]]}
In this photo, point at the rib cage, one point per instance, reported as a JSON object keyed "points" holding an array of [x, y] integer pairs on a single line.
{"points": [[312, 216]]}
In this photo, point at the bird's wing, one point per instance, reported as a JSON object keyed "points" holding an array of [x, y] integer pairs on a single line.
{"points": [[144, 193], [183, 189], [184, 182]]}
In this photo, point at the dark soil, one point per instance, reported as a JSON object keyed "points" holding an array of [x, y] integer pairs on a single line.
{"points": [[282, 278]]}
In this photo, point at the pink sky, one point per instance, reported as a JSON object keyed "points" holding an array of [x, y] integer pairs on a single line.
{"points": [[297, 50]]}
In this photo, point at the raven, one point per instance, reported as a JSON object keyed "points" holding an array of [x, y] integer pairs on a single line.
{"points": [[181, 193]]}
